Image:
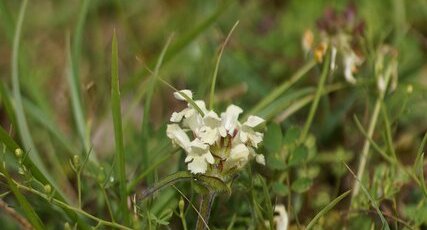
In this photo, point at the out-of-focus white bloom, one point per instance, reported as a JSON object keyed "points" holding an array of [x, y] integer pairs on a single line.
{"points": [[199, 156], [281, 219], [351, 61], [333, 58], [381, 84], [220, 143]]}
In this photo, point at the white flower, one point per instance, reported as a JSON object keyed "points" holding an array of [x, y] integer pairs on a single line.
{"points": [[282, 219], [214, 134], [239, 156], [199, 156], [247, 134], [178, 95], [229, 120], [209, 133], [178, 136], [351, 61]]}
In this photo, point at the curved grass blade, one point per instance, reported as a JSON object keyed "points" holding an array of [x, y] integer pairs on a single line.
{"points": [[19, 108], [326, 209], [167, 181], [215, 74], [118, 131], [147, 104], [371, 199]]}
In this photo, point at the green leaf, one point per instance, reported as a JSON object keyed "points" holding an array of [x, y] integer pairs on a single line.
{"points": [[291, 135], [280, 189], [274, 162], [118, 131], [298, 156], [326, 209], [302, 185], [214, 184], [167, 181], [273, 138]]}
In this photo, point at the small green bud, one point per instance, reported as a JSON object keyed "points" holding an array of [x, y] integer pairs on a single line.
{"points": [[47, 189], [76, 160], [67, 226], [101, 175], [181, 205], [19, 153]]}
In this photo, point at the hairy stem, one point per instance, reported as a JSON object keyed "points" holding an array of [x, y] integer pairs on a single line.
{"points": [[206, 202]]}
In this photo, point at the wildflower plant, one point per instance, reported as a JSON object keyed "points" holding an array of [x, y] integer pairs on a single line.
{"points": [[220, 146]]}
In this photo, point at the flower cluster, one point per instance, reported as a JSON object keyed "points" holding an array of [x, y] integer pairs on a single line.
{"points": [[341, 31], [217, 145]]}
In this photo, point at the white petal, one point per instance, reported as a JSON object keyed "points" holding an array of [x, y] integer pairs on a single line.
{"points": [[178, 95], [260, 159], [201, 104], [229, 118], [208, 135], [239, 152], [211, 119], [177, 117], [254, 121], [243, 136], [209, 158], [198, 165], [178, 136], [282, 219], [198, 147]]}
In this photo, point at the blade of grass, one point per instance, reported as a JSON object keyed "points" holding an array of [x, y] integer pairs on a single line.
{"points": [[45, 121], [387, 125], [19, 109], [215, 74], [76, 103], [319, 92], [281, 89], [118, 132], [326, 209], [371, 199], [23, 202], [7, 104], [147, 104]]}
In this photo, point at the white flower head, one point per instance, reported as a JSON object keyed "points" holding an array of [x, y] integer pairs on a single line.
{"points": [[351, 61], [214, 144]]}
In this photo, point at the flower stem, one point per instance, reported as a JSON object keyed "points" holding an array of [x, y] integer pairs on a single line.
{"points": [[319, 92], [206, 202]]}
